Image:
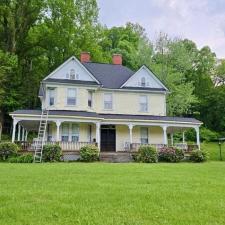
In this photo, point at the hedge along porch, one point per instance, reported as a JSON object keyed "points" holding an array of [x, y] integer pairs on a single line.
{"points": [[73, 129]]}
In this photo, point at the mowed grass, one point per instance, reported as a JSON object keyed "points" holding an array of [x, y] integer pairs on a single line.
{"points": [[104, 193]]}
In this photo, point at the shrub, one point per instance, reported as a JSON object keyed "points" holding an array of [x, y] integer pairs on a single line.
{"points": [[147, 154], [7, 149], [26, 158], [199, 155], [51, 153], [89, 153], [171, 154]]}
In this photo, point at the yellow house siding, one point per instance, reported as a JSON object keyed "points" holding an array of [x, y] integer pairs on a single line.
{"points": [[124, 102]]}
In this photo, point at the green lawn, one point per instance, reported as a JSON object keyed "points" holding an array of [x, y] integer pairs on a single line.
{"points": [[213, 149], [102, 194]]}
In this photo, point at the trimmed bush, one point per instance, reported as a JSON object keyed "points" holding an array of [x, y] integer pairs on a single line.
{"points": [[89, 153], [26, 158], [147, 154], [51, 153], [8, 149], [171, 154], [199, 156]]}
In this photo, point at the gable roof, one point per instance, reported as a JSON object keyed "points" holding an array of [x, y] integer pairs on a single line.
{"points": [[67, 61], [109, 75], [150, 73]]}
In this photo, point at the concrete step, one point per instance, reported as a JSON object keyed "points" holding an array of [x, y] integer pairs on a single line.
{"points": [[116, 157]]}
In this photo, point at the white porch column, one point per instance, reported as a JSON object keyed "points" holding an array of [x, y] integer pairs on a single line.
{"points": [[183, 137], [197, 136], [19, 135], [98, 138], [58, 123], [26, 135], [23, 133], [15, 121], [165, 141], [131, 132], [171, 136]]}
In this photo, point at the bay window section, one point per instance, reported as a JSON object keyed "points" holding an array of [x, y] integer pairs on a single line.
{"points": [[75, 133], [71, 96], [65, 132], [108, 104], [143, 103], [144, 135]]}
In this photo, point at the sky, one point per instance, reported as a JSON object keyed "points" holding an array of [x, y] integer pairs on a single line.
{"points": [[202, 21]]}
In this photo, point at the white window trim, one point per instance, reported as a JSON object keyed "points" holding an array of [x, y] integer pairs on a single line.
{"points": [[48, 96], [147, 134], [61, 134], [92, 99], [76, 94], [104, 101], [147, 103]]}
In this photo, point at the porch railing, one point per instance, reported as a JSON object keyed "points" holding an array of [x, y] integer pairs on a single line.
{"points": [[135, 146], [65, 146]]}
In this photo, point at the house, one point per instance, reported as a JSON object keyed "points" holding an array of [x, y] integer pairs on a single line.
{"points": [[108, 104]]}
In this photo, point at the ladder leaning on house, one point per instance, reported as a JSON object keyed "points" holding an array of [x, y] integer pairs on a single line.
{"points": [[41, 137]]}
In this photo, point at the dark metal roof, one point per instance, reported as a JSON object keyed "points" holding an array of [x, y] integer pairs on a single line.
{"points": [[68, 81], [108, 116], [109, 75]]}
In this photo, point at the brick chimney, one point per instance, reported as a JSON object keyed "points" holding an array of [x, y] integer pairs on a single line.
{"points": [[85, 57], [117, 59]]}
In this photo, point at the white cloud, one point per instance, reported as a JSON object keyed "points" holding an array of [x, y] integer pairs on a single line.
{"points": [[201, 21]]}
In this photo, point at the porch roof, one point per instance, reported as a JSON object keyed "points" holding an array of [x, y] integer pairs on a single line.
{"points": [[103, 116]]}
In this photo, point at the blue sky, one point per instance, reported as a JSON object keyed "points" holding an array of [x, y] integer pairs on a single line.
{"points": [[202, 21]]}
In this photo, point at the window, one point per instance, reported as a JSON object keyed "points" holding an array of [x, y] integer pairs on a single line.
{"points": [[72, 74], [144, 135], [65, 132], [75, 133], [107, 101], [71, 96], [90, 98], [51, 96], [143, 82], [49, 132], [144, 103]]}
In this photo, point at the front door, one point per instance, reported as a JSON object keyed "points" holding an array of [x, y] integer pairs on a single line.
{"points": [[108, 138]]}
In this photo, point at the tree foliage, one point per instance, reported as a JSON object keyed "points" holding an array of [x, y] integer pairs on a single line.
{"points": [[38, 35]]}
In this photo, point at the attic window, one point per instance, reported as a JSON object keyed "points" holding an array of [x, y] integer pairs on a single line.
{"points": [[143, 82], [72, 74]]}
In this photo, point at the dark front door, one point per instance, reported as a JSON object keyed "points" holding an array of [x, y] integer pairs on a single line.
{"points": [[108, 138]]}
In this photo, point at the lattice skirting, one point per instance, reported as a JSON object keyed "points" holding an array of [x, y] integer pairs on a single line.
{"points": [[70, 156]]}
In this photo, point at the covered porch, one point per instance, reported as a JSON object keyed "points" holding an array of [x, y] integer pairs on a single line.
{"points": [[112, 133]]}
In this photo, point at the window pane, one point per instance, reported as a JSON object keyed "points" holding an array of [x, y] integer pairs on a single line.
{"points": [[143, 103], [144, 135], [90, 96], [51, 97], [75, 132], [143, 83], [71, 96], [65, 132], [108, 101]]}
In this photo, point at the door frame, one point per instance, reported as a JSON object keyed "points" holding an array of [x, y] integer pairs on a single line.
{"points": [[107, 128]]}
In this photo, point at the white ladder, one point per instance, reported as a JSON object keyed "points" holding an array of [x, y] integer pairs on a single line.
{"points": [[41, 137]]}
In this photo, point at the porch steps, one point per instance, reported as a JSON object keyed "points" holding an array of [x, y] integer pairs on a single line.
{"points": [[41, 137], [116, 157]]}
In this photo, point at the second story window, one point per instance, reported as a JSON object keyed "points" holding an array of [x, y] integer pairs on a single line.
{"points": [[108, 104], [143, 82], [51, 96], [90, 99], [71, 96], [143, 103]]}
